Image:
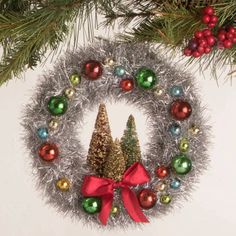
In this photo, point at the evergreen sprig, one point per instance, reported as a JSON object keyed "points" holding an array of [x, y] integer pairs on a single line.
{"points": [[29, 29]]}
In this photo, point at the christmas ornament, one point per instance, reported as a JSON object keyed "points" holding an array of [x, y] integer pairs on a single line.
{"points": [[48, 151], [92, 69], [91, 205], [63, 184], [88, 183], [42, 133], [127, 84], [119, 71], [147, 198]]}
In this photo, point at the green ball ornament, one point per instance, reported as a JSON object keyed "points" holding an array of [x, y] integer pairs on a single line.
{"points": [[57, 105], [92, 205], [181, 164], [146, 78]]}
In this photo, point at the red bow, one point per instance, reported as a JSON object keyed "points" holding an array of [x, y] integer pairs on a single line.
{"points": [[104, 188]]}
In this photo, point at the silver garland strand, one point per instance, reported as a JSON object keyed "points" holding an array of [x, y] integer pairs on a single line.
{"points": [[162, 146]]}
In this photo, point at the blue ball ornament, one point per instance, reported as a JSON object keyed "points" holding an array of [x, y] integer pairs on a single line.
{"points": [[175, 129], [176, 91], [42, 133], [175, 183], [119, 71]]}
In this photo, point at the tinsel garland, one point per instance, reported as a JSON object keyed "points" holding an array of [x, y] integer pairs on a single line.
{"points": [[162, 146]]}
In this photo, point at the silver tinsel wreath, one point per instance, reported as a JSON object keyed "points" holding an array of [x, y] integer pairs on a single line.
{"points": [[162, 146]]}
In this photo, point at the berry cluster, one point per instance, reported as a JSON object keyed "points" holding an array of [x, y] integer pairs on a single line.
{"points": [[202, 43], [226, 37], [208, 17], [204, 40]]}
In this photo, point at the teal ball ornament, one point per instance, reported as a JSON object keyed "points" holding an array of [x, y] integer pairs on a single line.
{"points": [[146, 78], [181, 164]]}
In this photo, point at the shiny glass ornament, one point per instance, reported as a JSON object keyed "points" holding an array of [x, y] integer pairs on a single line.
{"points": [[115, 210], [119, 71], [175, 183], [91, 205], [162, 172], [146, 78], [147, 198], [93, 69], [57, 105], [158, 92], [63, 184], [176, 91], [194, 130], [109, 62], [70, 93], [127, 84], [53, 124], [175, 130], [48, 151], [42, 133], [75, 79], [184, 145], [160, 186], [180, 110], [165, 199], [181, 164]]}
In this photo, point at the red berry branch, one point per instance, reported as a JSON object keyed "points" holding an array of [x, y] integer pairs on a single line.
{"points": [[204, 40]]}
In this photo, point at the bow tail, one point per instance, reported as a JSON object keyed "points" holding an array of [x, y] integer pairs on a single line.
{"points": [[132, 206], [106, 208]]}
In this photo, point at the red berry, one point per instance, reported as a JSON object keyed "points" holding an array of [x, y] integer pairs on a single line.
{"points": [[222, 31], [228, 43], [221, 36], [233, 40], [200, 49], [210, 40], [207, 32], [206, 19], [209, 10], [229, 35], [211, 25], [202, 42], [214, 19], [196, 54], [231, 30], [207, 50], [198, 34], [187, 52]]}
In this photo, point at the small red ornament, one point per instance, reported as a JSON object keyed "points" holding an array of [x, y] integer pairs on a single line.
{"points": [[180, 110], [211, 25], [127, 84], [207, 32], [228, 43], [210, 40], [162, 172], [93, 69], [207, 50], [198, 34], [196, 54], [214, 19], [187, 52], [48, 151], [147, 198]]}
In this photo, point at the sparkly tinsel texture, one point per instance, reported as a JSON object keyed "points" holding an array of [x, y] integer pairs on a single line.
{"points": [[162, 147]]}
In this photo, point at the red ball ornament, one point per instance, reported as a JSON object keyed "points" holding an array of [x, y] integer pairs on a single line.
{"points": [[207, 32], [207, 50], [211, 25], [211, 40], [93, 69], [196, 54], [214, 19], [231, 30], [221, 36], [127, 84], [198, 34], [147, 198], [162, 172], [180, 110], [187, 52], [48, 151]]}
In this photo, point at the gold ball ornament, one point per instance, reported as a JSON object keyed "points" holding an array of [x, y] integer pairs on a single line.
{"points": [[184, 145], [161, 186], [194, 130], [158, 92], [70, 93], [165, 199], [53, 124], [63, 184], [109, 62], [115, 210]]}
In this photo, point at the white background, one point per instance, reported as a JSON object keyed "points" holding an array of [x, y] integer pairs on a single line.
{"points": [[211, 211]]}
